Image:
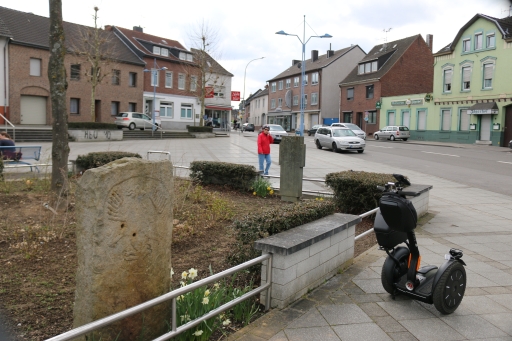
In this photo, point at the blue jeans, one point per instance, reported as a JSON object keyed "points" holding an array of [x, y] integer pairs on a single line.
{"points": [[264, 157]]}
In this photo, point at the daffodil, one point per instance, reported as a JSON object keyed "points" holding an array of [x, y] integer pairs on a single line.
{"points": [[184, 275], [205, 300], [206, 293], [226, 322], [193, 273], [183, 283], [172, 272], [198, 333], [271, 192], [253, 193], [268, 188], [216, 285]]}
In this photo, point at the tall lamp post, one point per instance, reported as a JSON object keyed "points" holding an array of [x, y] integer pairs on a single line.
{"points": [[245, 73], [154, 73], [303, 41]]}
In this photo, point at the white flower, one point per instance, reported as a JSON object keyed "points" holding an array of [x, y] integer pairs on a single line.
{"points": [[198, 333], [185, 318], [183, 283], [193, 273], [184, 275], [172, 272], [206, 293], [226, 322], [205, 300], [216, 285]]}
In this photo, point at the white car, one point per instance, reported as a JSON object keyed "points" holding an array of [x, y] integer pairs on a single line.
{"points": [[338, 138], [136, 120], [355, 128], [277, 132]]}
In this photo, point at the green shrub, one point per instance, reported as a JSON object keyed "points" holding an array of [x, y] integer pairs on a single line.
{"points": [[199, 129], [356, 192], [98, 159], [232, 175], [253, 227], [92, 125], [262, 187]]}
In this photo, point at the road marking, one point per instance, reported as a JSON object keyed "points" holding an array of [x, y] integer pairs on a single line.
{"points": [[382, 147], [440, 154], [505, 162]]}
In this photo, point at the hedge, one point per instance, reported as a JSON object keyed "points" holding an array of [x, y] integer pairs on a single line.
{"points": [[233, 175], [199, 129], [92, 125], [98, 159]]}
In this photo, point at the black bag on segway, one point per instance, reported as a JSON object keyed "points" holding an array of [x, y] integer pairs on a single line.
{"points": [[399, 213]]}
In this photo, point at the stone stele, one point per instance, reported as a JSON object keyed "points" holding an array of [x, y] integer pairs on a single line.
{"points": [[292, 159], [124, 229]]}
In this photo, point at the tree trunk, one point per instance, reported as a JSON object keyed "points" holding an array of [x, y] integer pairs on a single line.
{"points": [[58, 86]]}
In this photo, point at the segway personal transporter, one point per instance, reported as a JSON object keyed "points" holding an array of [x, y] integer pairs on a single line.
{"points": [[401, 273]]}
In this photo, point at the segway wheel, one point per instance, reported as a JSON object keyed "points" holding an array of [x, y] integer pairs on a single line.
{"points": [[450, 289], [391, 271]]}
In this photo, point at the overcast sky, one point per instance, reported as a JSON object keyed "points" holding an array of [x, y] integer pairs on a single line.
{"points": [[246, 30]]}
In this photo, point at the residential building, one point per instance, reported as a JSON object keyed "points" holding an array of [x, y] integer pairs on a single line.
{"points": [[26, 78], [396, 68], [259, 108], [247, 107], [5, 36], [321, 93]]}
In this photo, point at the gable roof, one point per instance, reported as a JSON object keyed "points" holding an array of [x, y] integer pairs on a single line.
{"points": [[318, 64], [503, 25], [261, 93], [4, 31], [215, 67], [392, 51], [32, 30]]}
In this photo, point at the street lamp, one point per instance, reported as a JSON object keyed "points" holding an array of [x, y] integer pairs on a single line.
{"points": [[245, 72], [154, 72], [303, 68]]}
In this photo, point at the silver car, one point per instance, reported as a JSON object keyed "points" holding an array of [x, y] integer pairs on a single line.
{"points": [[277, 132], [134, 120], [338, 138], [393, 133], [355, 128]]}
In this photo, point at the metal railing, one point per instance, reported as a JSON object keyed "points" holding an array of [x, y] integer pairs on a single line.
{"points": [[375, 210], [12, 125], [173, 295]]}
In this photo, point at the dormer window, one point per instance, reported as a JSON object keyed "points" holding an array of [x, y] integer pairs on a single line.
{"points": [[164, 52], [189, 57], [156, 50], [368, 67]]}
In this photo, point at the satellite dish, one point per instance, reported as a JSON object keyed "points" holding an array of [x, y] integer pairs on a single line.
{"points": [[288, 98]]}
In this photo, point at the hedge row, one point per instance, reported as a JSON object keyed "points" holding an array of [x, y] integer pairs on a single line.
{"points": [[98, 159], [92, 125], [232, 175], [199, 129]]}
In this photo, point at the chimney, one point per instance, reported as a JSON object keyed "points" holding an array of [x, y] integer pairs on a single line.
{"points": [[430, 41], [330, 53], [266, 86], [295, 61], [138, 29], [314, 55], [108, 28]]}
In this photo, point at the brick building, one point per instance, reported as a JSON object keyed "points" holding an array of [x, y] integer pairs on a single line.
{"points": [[26, 79], [399, 67]]}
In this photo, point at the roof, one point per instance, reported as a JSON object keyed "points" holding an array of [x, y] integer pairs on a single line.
{"points": [[392, 51], [33, 30], [215, 67], [4, 31], [504, 26], [320, 63], [263, 92]]}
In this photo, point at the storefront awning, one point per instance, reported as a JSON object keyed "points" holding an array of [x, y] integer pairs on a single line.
{"points": [[483, 108], [218, 107]]}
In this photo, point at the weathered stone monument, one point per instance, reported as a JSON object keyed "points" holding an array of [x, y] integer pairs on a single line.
{"points": [[124, 227], [292, 159]]}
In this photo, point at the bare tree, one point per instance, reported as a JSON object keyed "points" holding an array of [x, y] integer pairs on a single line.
{"points": [[58, 86]]}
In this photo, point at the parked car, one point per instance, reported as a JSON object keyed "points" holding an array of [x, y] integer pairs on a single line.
{"points": [[354, 127], [314, 128], [247, 127], [393, 133], [134, 120], [276, 131], [510, 144], [338, 138]]}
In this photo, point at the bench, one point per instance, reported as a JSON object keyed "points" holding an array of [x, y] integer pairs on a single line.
{"points": [[18, 154]]}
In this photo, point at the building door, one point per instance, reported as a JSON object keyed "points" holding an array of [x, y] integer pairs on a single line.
{"points": [[507, 132], [33, 110], [485, 128], [97, 111], [359, 119]]}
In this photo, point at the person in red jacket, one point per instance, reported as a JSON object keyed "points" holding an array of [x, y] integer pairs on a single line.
{"points": [[264, 141]]}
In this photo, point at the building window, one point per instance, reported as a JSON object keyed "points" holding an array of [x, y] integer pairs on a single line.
{"points": [[193, 83], [488, 71], [306, 79], [295, 100], [132, 79], [391, 118], [350, 94], [361, 69], [422, 120], [372, 117], [295, 82], [186, 111], [181, 81], [74, 106], [35, 67], [156, 50], [132, 107], [279, 102], [166, 109], [478, 41], [75, 72], [263, 102], [154, 77], [406, 118], [314, 98], [272, 103], [490, 41], [168, 79], [116, 77], [369, 91], [446, 120], [273, 86], [464, 120], [466, 45], [305, 100], [288, 83], [114, 108], [466, 78], [368, 67], [347, 117], [447, 87], [314, 79], [164, 52], [218, 91], [280, 85]]}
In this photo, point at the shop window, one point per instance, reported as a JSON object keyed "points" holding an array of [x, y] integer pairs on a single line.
{"points": [[166, 109], [186, 111]]}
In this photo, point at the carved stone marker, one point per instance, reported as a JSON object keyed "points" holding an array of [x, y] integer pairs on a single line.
{"points": [[292, 159], [124, 228]]}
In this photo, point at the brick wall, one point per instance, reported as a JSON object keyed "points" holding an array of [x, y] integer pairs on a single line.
{"points": [[308, 90]]}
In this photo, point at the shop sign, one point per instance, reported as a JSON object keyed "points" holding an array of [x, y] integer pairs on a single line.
{"points": [[235, 95]]}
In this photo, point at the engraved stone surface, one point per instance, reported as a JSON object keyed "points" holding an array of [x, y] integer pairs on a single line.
{"points": [[292, 159], [124, 229]]}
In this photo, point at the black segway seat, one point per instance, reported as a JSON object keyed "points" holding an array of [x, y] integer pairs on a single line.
{"points": [[398, 212]]}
